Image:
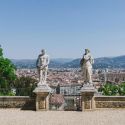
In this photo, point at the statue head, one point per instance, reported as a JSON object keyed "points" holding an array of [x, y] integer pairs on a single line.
{"points": [[43, 51], [87, 51]]}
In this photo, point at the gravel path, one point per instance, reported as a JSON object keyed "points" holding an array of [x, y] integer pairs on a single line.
{"points": [[99, 117]]}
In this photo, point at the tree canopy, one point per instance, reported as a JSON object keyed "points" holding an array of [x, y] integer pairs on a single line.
{"points": [[25, 85], [112, 90], [7, 72]]}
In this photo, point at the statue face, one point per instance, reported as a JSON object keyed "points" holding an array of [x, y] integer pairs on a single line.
{"points": [[43, 52], [86, 51]]}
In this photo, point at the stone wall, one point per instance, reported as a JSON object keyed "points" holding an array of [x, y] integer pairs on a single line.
{"points": [[109, 101], [27, 103], [23, 102]]}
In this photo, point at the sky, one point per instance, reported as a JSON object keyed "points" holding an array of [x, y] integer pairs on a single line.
{"points": [[63, 27]]}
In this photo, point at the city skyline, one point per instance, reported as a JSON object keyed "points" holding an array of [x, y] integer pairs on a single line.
{"points": [[64, 28]]}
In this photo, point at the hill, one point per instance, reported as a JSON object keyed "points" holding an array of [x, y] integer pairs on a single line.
{"points": [[103, 62], [31, 63]]}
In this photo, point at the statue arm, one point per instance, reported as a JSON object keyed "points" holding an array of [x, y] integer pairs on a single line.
{"points": [[81, 62], [48, 60], [37, 61], [89, 58], [92, 60], [86, 57]]}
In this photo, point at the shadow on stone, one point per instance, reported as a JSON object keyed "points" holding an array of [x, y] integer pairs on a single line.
{"points": [[29, 105]]}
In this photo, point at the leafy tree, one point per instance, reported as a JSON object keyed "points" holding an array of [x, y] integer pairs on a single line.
{"points": [[109, 89], [7, 74], [112, 90], [24, 86], [121, 89], [57, 100]]}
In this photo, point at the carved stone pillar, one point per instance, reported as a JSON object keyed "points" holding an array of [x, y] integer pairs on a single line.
{"points": [[42, 97], [87, 93]]}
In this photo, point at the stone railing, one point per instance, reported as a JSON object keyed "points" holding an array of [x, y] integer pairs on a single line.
{"points": [[23, 102], [97, 102], [91, 100], [109, 102]]}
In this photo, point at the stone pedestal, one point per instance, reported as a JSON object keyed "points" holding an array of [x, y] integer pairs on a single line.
{"points": [[87, 93], [42, 97]]}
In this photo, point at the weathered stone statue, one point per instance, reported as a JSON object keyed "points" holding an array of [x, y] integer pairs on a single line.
{"points": [[42, 66], [86, 66], [42, 90], [88, 90]]}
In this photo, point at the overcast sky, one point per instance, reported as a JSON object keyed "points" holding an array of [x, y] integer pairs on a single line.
{"points": [[63, 27]]}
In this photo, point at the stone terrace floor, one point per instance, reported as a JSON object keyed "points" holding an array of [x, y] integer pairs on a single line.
{"points": [[98, 117]]}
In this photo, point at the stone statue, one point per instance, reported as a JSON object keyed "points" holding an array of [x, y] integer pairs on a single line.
{"points": [[86, 66], [42, 90], [88, 89], [42, 66]]}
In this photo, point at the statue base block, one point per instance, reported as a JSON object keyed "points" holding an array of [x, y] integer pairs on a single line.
{"points": [[42, 88], [88, 88], [42, 97], [87, 93]]}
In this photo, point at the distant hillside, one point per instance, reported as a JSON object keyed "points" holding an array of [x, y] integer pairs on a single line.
{"points": [[31, 63], [24, 63], [104, 62], [73, 64], [114, 62]]}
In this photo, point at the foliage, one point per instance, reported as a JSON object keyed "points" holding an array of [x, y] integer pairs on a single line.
{"points": [[121, 89], [112, 90], [57, 100], [24, 86], [7, 74], [6, 92]]}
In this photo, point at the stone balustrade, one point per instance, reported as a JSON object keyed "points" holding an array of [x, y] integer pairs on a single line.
{"points": [[23, 102], [28, 103]]}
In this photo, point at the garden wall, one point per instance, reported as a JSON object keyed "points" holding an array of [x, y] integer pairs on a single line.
{"points": [[109, 101], [23, 102], [27, 103]]}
